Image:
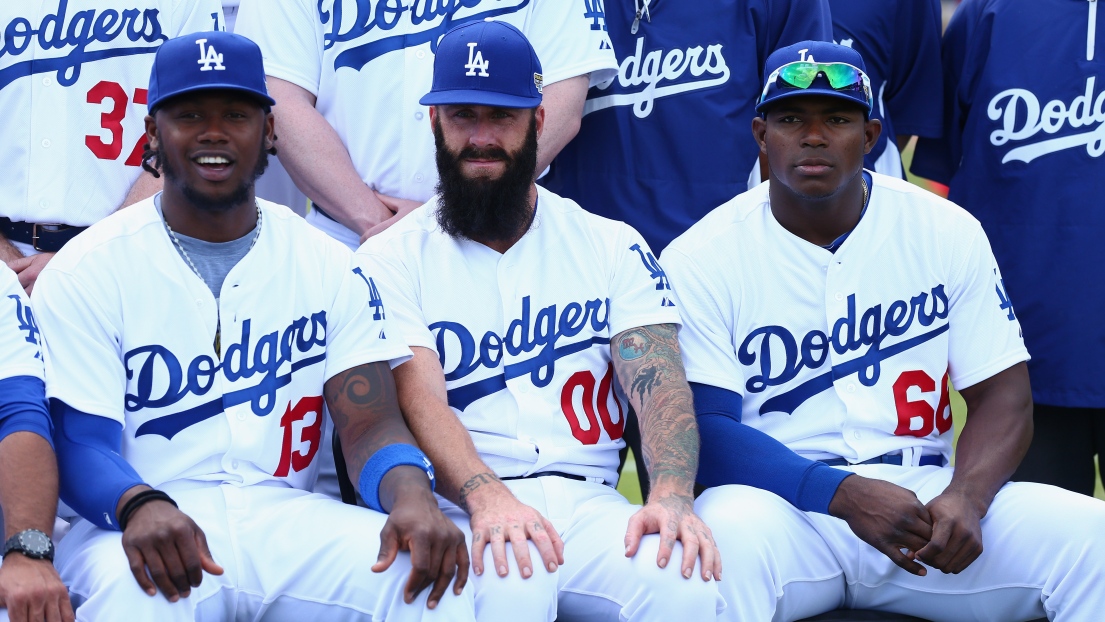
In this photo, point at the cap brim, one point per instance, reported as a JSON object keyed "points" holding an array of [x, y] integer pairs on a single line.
{"points": [[777, 97], [260, 97], [478, 98]]}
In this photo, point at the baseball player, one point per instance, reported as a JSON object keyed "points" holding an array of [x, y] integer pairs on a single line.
{"points": [[30, 589], [73, 87], [348, 75], [824, 314], [900, 43], [1025, 116], [203, 437], [522, 309]]}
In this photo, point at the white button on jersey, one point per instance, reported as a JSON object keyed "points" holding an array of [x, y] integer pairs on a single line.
{"points": [[46, 143], [418, 178], [47, 81], [420, 54], [418, 115], [839, 296]]}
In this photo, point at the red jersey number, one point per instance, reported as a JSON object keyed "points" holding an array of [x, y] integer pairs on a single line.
{"points": [[596, 407], [112, 121], [916, 417], [311, 434]]}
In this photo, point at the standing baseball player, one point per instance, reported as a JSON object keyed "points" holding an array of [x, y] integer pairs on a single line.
{"points": [[1022, 152], [348, 74], [899, 41], [203, 438], [30, 589], [534, 326], [824, 314], [73, 87]]}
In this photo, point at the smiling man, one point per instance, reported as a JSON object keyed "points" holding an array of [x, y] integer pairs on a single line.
{"points": [[532, 322], [194, 342], [824, 314]]}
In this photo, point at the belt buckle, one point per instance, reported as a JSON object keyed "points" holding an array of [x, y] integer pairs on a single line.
{"points": [[35, 237]]}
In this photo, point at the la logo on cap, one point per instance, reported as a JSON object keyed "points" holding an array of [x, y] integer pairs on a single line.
{"points": [[209, 58], [476, 61], [802, 55]]}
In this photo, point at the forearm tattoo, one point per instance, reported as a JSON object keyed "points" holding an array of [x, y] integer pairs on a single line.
{"points": [[471, 485], [650, 370], [365, 410]]}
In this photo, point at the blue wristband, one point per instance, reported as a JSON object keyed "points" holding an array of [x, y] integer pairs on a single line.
{"points": [[384, 460]]}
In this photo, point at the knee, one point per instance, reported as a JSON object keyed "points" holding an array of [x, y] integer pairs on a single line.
{"points": [[664, 592], [730, 511], [512, 596]]}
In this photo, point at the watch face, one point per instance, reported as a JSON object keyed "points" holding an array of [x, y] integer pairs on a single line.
{"points": [[35, 542]]}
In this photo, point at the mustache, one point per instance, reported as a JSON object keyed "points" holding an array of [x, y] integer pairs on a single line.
{"points": [[485, 153]]}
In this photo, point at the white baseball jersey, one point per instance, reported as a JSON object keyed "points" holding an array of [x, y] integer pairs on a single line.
{"points": [[368, 62], [131, 338], [73, 78], [524, 337], [19, 345], [845, 354]]}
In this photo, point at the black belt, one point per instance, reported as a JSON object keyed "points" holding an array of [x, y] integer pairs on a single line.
{"points": [[936, 460], [43, 238], [322, 212], [578, 478]]}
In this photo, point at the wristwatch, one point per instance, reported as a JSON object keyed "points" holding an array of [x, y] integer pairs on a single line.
{"points": [[32, 543]]}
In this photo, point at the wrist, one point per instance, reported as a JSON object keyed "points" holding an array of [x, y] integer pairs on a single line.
{"points": [[483, 491], [846, 498], [980, 502], [379, 468]]}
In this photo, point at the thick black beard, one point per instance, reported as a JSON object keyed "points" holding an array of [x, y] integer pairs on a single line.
{"points": [[207, 203], [485, 209]]}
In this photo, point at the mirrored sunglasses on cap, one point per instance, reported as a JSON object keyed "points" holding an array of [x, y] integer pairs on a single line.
{"points": [[801, 74]]}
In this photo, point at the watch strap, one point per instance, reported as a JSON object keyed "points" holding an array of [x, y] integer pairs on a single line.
{"points": [[15, 544]]}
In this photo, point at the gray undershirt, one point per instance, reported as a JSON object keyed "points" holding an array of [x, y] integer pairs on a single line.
{"points": [[214, 260]]}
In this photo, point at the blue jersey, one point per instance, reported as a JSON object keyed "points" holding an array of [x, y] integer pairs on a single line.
{"points": [[900, 44], [670, 137], [1025, 132]]}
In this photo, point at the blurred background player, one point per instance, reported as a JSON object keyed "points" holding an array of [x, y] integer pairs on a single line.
{"points": [[666, 140], [272, 322], [73, 89], [30, 589], [525, 428], [1024, 119]]}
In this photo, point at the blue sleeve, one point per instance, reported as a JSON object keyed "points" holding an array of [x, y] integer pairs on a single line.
{"points": [[92, 474], [733, 453], [963, 55], [914, 98], [23, 407]]}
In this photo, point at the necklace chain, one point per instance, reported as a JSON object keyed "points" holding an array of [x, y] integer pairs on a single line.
{"points": [[172, 234], [864, 183]]}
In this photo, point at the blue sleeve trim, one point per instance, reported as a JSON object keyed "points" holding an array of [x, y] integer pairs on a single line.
{"points": [[23, 408], [92, 474], [733, 453]]}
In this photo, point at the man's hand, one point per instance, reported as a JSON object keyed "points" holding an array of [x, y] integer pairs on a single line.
{"points": [[497, 517], [886, 516], [171, 546], [28, 269], [437, 547], [398, 207], [672, 516], [31, 591], [956, 533]]}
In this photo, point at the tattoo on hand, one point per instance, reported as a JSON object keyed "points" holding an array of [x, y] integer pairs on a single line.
{"points": [[471, 485]]}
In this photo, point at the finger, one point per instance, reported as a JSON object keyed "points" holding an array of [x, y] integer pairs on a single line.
{"points": [[690, 551], [633, 534], [462, 568], [19, 612], [422, 570], [446, 572], [710, 557], [544, 543], [67, 614], [520, 544], [137, 562], [479, 543], [905, 563], [389, 549], [174, 568], [667, 545], [51, 611], [964, 550], [558, 543], [189, 552], [920, 524], [498, 551], [207, 561], [933, 552], [156, 567]]}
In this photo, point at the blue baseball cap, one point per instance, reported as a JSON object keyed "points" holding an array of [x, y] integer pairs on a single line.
{"points": [[815, 68], [485, 63], [207, 60]]}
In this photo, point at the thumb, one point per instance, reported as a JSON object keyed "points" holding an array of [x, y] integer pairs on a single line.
{"points": [[207, 561], [389, 549]]}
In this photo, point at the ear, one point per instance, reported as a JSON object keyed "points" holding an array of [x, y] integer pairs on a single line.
{"points": [[872, 129], [433, 115], [270, 131], [151, 132], [539, 115], [759, 132]]}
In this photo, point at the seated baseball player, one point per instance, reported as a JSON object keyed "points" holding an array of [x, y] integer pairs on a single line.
{"points": [[824, 314], [195, 342], [30, 588], [521, 310]]}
